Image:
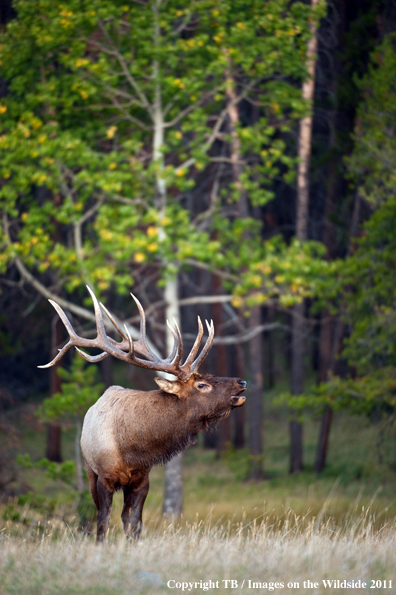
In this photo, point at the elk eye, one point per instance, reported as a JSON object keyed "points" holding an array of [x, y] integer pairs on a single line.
{"points": [[202, 386]]}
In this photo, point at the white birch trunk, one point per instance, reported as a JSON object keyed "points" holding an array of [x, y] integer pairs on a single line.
{"points": [[173, 497]]}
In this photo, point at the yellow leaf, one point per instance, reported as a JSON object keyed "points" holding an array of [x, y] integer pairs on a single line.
{"points": [[139, 257], [152, 231], [237, 301], [110, 132]]}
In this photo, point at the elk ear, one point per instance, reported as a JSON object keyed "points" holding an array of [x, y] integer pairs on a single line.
{"points": [[172, 387]]}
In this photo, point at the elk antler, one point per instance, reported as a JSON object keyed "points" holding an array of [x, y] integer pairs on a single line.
{"points": [[125, 350]]}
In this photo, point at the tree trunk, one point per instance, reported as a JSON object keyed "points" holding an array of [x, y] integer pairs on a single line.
{"points": [[304, 153], [270, 348], [325, 361], [323, 442], [53, 450], [173, 497], [106, 369], [255, 400], [297, 387], [224, 427], [239, 413], [305, 138]]}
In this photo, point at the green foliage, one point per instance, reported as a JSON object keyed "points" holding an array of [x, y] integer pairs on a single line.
{"points": [[369, 274], [109, 100], [239, 462], [65, 472], [78, 393], [286, 273], [371, 165], [365, 395]]}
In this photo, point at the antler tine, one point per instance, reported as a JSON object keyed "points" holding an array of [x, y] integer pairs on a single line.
{"points": [[141, 345], [98, 315], [113, 321], [93, 359], [69, 329], [58, 356], [131, 351], [101, 341], [206, 349], [195, 347], [177, 350]]}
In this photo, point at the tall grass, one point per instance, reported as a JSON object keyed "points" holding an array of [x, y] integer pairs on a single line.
{"points": [[57, 558]]}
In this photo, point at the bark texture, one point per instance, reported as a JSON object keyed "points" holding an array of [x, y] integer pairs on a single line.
{"points": [[304, 153], [173, 496], [255, 370], [255, 401]]}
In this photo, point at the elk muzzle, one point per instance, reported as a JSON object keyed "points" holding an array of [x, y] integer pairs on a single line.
{"points": [[238, 401]]}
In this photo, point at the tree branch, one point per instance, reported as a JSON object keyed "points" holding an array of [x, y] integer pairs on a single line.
{"points": [[126, 71], [78, 310], [207, 267], [187, 110]]}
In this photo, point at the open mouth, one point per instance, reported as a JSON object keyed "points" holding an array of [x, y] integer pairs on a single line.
{"points": [[238, 400], [240, 392]]}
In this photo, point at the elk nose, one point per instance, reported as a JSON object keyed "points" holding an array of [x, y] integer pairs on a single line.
{"points": [[242, 383]]}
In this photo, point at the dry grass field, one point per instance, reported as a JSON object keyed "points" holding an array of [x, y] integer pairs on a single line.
{"points": [[259, 556]]}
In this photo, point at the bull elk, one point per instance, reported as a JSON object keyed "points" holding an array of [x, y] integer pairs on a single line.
{"points": [[128, 431]]}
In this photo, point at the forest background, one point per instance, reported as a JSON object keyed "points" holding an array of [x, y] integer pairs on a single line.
{"points": [[230, 159]]}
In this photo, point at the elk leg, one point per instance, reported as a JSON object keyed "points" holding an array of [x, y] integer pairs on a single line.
{"points": [[134, 497], [105, 500], [93, 479]]}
